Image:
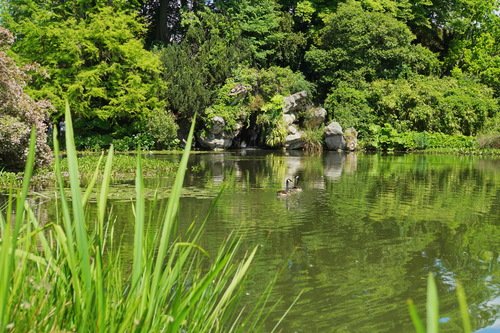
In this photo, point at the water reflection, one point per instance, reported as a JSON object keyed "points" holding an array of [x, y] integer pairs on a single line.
{"points": [[359, 240]]}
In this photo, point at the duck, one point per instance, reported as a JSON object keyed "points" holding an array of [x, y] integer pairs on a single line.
{"points": [[286, 191], [296, 187]]}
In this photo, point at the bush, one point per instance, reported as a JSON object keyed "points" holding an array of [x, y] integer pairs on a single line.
{"points": [[19, 113], [446, 105], [489, 141], [388, 138], [313, 139], [96, 142], [162, 129]]}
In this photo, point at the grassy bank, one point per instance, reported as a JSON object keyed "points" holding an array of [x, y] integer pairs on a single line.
{"points": [[65, 274]]}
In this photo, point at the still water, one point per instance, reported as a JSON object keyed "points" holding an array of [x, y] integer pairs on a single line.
{"points": [[358, 241]]}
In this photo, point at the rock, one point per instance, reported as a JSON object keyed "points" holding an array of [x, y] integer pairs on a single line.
{"points": [[315, 117], [294, 141], [351, 139], [215, 142], [334, 137], [289, 118], [295, 102], [333, 128], [216, 137], [238, 89], [218, 124], [292, 130]]}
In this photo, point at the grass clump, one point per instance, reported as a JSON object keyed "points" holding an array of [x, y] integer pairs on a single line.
{"points": [[66, 275]]}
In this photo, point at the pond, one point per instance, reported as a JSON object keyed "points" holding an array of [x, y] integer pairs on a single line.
{"points": [[358, 241]]}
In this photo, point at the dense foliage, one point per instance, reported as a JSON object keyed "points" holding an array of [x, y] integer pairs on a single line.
{"points": [[134, 71]]}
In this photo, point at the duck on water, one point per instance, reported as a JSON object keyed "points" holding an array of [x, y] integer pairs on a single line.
{"points": [[286, 191], [296, 187]]}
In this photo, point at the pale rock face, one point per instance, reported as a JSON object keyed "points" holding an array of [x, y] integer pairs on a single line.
{"points": [[316, 117], [292, 129], [334, 137], [289, 118], [217, 138], [218, 124], [295, 102], [294, 141]]}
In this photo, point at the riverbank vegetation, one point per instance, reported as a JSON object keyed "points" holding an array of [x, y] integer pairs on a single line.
{"points": [[135, 72], [68, 274]]}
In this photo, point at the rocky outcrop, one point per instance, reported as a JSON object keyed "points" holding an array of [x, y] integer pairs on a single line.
{"points": [[216, 137], [294, 141], [351, 139], [315, 117], [336, 139], [295, 102]]}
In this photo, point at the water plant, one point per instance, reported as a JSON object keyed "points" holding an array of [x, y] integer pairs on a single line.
{"points": [[68, 274], [432, 308]]}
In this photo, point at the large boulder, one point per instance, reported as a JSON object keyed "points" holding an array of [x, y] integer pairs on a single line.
{"points": [[294, 141], [216, 137], [218, 125], [315, 117], [334, 137], [351, 139], [295, 102]]}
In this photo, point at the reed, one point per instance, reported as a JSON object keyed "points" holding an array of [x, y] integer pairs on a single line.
{"points": [[66, 275], [432, 310]]}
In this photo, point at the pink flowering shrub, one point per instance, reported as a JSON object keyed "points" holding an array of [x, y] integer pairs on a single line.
{"points": [[19, 113]]}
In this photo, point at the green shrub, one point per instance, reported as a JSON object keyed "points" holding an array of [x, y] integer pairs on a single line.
{"points": [[388, 138], [419, 103], [162, 129], [96, 142], [313, 139]]}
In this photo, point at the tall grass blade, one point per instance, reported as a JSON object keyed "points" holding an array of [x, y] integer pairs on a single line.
{"points": [[432, 306], [92, 182], [464, 312], [168, 225], [415, 318], [139, 224], [287, 311], [103, 197], [79, 218]]}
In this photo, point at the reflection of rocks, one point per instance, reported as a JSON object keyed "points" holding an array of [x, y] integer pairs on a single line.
{"points": [[334, 162], [217, 138], [351, 163]]}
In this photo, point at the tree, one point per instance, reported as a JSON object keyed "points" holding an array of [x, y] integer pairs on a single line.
{"points": [[448, 105], [200, 64], [19, 114], [357, 45], [98, 62]]}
